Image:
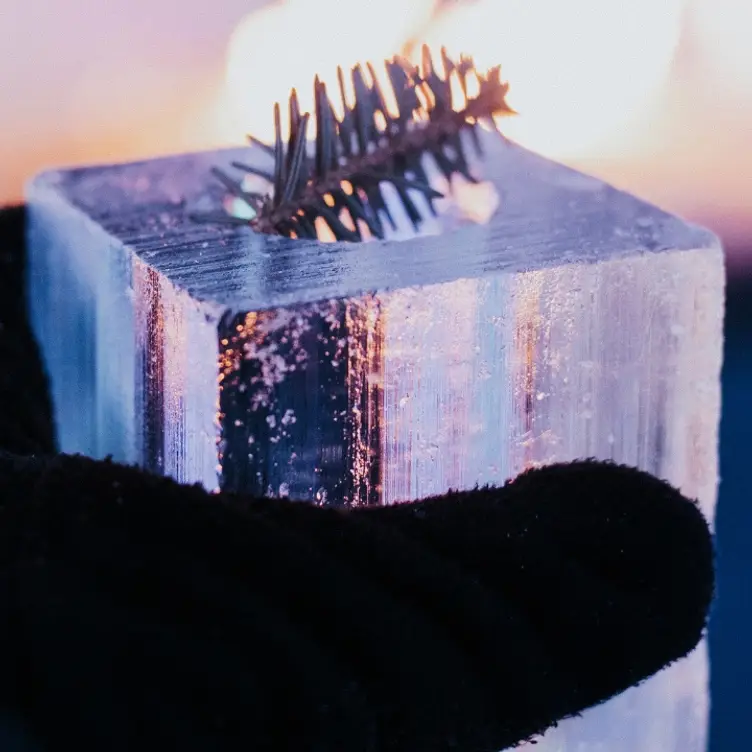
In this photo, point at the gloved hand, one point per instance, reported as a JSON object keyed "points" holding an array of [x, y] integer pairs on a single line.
{"points": [[136, 612]]}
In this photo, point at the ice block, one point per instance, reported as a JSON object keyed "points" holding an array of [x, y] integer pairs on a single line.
{"points": [[578, 322]]}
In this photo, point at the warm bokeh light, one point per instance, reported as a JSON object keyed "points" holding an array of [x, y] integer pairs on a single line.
{"points": [[582, 71], [87, 81], [284, 45], [723, 29]]}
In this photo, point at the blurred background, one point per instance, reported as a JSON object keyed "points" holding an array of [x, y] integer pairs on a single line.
{"points": [[654, 96]]}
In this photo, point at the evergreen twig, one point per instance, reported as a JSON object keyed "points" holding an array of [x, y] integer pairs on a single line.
{"points": [[369, 145]]}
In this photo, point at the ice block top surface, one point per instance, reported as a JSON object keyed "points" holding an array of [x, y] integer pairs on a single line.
{"points": [[549, 215]]}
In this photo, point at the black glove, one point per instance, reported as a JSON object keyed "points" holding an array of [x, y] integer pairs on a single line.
{"points": [[136, 612]]}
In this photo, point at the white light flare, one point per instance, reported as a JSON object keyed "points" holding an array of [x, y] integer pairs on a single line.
{"points": [[582, 72], [722, 31], [284, 45]]}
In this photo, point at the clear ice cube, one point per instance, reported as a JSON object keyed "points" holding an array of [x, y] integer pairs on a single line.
{"points": [[578, 322]]}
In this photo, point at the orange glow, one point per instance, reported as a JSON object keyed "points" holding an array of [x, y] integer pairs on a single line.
{"points": [[722, 27], [586, 76], [285, 45], [581, 71]]}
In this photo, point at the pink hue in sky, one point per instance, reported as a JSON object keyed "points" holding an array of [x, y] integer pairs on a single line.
{"points": [[93, 80], [97, 80]]}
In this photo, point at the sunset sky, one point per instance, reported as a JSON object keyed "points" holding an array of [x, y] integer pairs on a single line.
{"points": [[86, 81]]}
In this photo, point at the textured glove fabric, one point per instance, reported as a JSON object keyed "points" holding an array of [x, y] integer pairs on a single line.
{"points": [[136, 612], [25, 413]]}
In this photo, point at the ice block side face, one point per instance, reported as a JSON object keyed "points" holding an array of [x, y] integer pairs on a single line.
{"points": [[579, 322], [406, 393]]}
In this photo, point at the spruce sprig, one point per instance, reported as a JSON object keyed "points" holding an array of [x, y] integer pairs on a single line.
{"points": [[368, 146]]}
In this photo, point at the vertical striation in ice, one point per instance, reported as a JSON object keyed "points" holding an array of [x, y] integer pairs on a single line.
{"points": [[578, 322]]}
